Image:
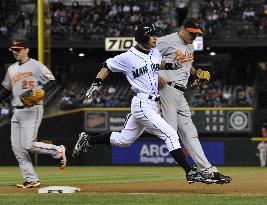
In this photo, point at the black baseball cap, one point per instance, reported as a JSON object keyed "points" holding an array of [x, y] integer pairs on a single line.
{"points": [[192, 25], [19, 44]]}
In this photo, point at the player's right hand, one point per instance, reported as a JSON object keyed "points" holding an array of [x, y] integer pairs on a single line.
{"points": [[93, 90], [162, 82]]}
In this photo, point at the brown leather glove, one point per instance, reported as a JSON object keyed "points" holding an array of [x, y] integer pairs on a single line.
{"points": [[32, 97]]}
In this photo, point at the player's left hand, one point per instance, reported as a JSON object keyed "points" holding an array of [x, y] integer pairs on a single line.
{"points": [[201, 77], [93, 90], [32, 97]]}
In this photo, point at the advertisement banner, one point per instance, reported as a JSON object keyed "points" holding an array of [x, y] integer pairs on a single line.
{"points": [[155, 152], [206, 120], [96, 121], [119, 43], [102, 121]]}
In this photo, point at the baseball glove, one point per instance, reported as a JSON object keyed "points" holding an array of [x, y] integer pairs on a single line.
{"points": [[32, 97], [201, 77]]}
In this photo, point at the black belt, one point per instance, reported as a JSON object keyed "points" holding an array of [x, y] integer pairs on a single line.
{"points": [[19, 107], [150, 97], [176, 86]]}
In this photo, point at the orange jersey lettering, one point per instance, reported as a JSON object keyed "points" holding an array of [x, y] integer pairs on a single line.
{"points": [[20, 76], [183, 57]]}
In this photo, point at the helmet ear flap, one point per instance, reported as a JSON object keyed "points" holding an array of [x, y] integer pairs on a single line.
{"points": [[142, 39]]}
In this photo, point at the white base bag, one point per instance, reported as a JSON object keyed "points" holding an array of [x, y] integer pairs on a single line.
{"points": [[58, 190]]}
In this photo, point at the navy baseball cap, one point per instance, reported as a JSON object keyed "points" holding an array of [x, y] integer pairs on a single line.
{"points": [[19, 44], [192, 25]]}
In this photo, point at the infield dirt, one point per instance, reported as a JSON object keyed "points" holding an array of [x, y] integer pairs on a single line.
{"points": [[241, 185]]}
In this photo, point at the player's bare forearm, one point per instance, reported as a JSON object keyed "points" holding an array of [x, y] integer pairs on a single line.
{"points": [[162, 65], [103, 73]]}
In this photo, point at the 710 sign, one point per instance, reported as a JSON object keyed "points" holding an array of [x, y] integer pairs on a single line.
{"points": [[119, 43]]}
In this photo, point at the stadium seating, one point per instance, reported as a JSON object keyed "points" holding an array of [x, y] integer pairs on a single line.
{"points": [[233, 19]]}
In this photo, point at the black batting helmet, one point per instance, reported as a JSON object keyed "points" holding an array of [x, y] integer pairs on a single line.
{"points": [[144, 31]]}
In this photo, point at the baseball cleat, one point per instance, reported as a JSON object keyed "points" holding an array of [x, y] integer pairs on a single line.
{"points": [[194, 176], [26, 185], [218, 178], [63, 159], [81, 145]]}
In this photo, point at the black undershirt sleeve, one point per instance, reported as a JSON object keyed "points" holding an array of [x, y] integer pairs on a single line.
{"points": [[4, 92], [49, 85]]}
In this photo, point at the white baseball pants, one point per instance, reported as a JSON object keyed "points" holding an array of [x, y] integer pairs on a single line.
{"points": [[145, 116]]}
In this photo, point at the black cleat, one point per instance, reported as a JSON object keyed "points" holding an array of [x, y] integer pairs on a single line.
{"points": [[218, 178], [195, 176], [81, 145]]}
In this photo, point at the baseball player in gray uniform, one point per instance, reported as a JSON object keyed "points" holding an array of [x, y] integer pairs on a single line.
{"points": [[140, 65], [24, 75], [178, 53]]}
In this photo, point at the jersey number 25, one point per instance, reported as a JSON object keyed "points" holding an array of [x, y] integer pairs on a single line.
{"points": [[27, 84]]}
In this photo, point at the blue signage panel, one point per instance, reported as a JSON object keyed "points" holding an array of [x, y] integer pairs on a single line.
{"points": [[155, 152]]}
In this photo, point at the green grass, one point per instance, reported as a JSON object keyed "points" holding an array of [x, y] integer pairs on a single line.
{"points": [[126, 199], [9, 176], [94, 175], [107, 174]]}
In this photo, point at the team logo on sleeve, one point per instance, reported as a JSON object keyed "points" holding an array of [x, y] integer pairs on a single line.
{"points": [[137, 72], [49, 75]]}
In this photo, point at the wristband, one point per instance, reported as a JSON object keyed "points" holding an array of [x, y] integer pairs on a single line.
{"points": [[98, 81]]}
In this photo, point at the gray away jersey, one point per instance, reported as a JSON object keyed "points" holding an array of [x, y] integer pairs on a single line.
{"points": [[29, 75], [141, 69], [181, 55]]}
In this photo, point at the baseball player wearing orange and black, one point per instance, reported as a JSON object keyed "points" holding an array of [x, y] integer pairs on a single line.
{"points": [[178, 53], [140, 65], [27, 80]]}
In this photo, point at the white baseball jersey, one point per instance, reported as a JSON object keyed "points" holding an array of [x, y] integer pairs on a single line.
{"points": [[141, 69], [22, 77], [262, 147], [178, 53]]}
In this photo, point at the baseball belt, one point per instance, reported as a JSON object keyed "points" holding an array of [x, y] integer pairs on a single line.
{"points": [[22, 106], [176, 86], [147, 96], [19, 107]]}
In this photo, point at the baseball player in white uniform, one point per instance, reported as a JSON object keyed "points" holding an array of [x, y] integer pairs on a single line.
{"points": [[262, 147], [140, 65], [178, 53], [24, 75]]}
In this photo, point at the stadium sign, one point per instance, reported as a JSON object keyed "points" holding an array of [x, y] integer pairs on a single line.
{"points": [[155, 152], [119, 43]]}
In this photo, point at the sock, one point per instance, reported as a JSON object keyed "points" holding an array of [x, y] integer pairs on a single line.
{"points": [[179, 157], [103, 138]]}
